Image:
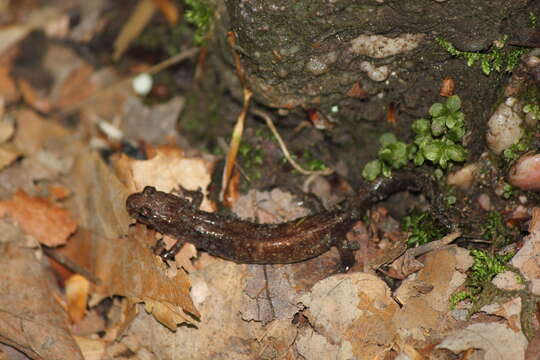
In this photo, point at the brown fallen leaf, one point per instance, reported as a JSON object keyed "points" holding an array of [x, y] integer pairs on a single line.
{"points": [[166, 171], [7, 155], [75, 88], [126, 268], [8, 88], [533, 350], [496, 340], [46, 222], [140, 17], [348, 310], [30, 318], [77, 288], [405, 265], [34, 97], [169, 10], [37, 132]]}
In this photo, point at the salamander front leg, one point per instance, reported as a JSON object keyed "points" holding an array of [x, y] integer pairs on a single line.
{"points": [[171, 253]]}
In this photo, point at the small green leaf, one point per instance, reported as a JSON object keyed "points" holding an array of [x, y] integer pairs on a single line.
{"points": [[456, 153], [437, 109], [387, 139], [486, 69], [453, 103], [421, 141], [433, 150], [457, 133], [421, 127], [386, 170], [438, 126], [451, 121], [419, 159], [451, 200], [372, 170], [443, 160], [394, 154]]}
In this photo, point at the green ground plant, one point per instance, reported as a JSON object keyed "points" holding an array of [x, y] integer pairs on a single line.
{"points": [[437, 140]]}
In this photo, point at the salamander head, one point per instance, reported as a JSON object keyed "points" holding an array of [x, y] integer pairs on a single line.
{"points": [[153, 207]]}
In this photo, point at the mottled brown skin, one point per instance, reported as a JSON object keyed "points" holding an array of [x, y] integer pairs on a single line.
{"points": [[246, 242]]}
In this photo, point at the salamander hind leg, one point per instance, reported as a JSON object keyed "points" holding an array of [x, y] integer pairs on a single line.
{"points": [[346, 251]]}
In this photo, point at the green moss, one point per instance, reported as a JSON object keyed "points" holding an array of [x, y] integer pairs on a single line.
{"points": [[478, 284], [200, 14], [496, 59], [532, 19], [494, 226], [251, 159], [311, 162]]}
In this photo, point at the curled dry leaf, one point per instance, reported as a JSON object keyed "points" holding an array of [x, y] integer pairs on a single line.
{"points": [[77, 288], [166, 171], [31, 320], [526, 259], [46, 222], [447, 87], [496, 340], [353, 313], [126, 268]]}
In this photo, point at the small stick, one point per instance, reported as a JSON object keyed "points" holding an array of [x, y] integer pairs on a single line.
{"points": [[283, 147]]}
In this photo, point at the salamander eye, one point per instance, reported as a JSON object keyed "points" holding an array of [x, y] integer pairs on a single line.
{"points": [[145, 212], [149, 190]]}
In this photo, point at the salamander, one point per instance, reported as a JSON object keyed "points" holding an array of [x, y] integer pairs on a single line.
{"points": [[247, 242]]}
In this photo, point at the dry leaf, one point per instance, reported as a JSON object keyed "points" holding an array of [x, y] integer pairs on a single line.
{"points": [[75, 88], [99, 198], [46, 222], [30, 318], [126, 268], [140, 17], [533, 350], [6, 129], [352, 312], [168, 9], [526, 259], [37, 132], [221, 330], [8, 88], [37, 19], [36, 98], [8, 154], [92, 349], [77, 288], [154, 124], [496, 340], [403, 266], [166, 172], [510, 310]]}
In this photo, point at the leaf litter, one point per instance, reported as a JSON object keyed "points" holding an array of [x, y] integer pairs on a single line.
{"points": [[98, 291]]}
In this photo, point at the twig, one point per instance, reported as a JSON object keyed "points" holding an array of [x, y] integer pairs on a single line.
{"points": [[238, 130], [284, 149]]}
